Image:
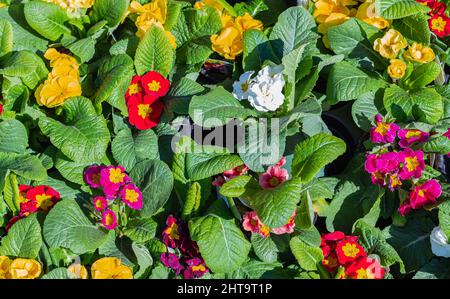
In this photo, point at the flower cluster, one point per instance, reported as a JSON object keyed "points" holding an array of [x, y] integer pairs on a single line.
{"points": [[344, 251], [230, 40], [439, 21], [19, 268], [391, 46], [34, 199], [72, 6], [264, 92], [104, 268], [395, 162], [150, 14], [143, 99], [62, 82], [253, 224], [177, 239], [330, 13], [115, 183]]}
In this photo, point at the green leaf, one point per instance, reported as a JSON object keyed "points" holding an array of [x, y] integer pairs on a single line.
{"points": [[216, 108], [411, 239], [154, 179], [144, 260], [276, 206], [66, 226], [307, 256], [70, 170], [141, 230], [265, 248], [238, 186], [23, 239], [435, 269], [222, 244], [439, 145], [444, 217], [295, 27], [116, 247], [84, 49], [414, 27], [253, 269], [397, 9], [423, 75], [13, 136], [47, 19], [257, 49], [346, 82], [291, 62], [154, 53], [59, 273], [305, 213], [311, 155], [6, 37], [27, 166], [11, 194], [424, 105], [130, 148], [111, 11], [83, 137], [365, 108], [192, 202]]}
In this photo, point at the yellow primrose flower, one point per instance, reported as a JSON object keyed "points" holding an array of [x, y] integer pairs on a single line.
{"points": [[333, 20], [228, 42], [56, 90], [72, 5], [324, 8], [247, 22], [60, 59], [419, 53], [390, 44], [25, 269], [5, 264], [110, 268], [397, 69], [78, 270], [367, 13]]}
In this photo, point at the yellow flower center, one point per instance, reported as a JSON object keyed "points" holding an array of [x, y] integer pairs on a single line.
{"points": [[134, 89], [382, 128], [395, 181], [43, 201], [274, 181], [411, 163], [109, 219], [131, 195], [421, 193], [144, 110], [350, 250], [411, 134], [438, 24], [99, 204], [244, 86], [154, 86], [265, 230], [361, 273], [116, 175], [199, 268], [172, 231]]}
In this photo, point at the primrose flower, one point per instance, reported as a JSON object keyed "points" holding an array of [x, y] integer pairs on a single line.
{"points": [[5, 264], [273, 177], [110, 268], [440, 25], [171, 234], [111, 179], [45, 197], [78, 271], [237, 171], [409, 137], [109, 219], [240, 88], [348, 251], [383, 132], [419, 53], [144, 111], [196, 268], [397, 69], [367, 13], [134, 88], [324, 8], [252, 224], [27, 208], [132, 196], [266, 91], [365, 268], [100, 203], [424, 194], [171, 260], [437, 7], [413, 164], [228, 42], [390, 44], [288, 228], [25, 269], [92, 175], [382, 163], [154, 83]]}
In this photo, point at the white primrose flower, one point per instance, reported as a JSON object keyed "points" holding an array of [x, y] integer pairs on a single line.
{"points": [[439, 243], [240, 88], [266, 91]]}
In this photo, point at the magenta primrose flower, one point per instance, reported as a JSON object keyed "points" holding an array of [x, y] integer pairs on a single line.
{"points": [[409, 137], [92, 175], [100, 203], [383, 132], [273, 177], [421, 195], [109, 219], [132, 196], [111, 179], [196, 268], [413, 164], [171, 260]]}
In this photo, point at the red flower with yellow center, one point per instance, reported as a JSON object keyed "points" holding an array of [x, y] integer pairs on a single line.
{"points": [[155, 84], [144, 111], [440, 25], [348, 251], [45, 197], [134, 88], [331, 262], [365, 268]]}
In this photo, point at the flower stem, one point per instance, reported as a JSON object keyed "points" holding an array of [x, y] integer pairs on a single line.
{"points": [[233, 208]]}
